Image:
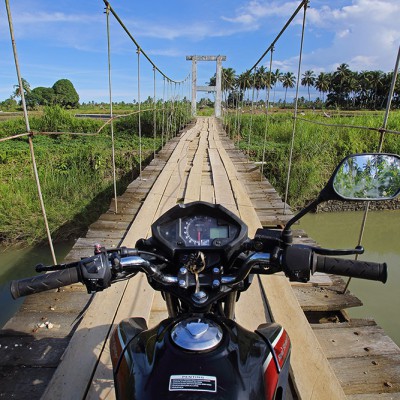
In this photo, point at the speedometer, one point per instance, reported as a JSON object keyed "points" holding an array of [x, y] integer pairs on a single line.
{"points": [[208, 227], [196, 230]]}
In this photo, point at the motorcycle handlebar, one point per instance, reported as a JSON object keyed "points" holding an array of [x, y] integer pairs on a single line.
{"points": [[40, 283], [352, 268], [297, 262]]}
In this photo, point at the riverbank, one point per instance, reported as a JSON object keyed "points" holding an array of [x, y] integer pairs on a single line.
{"points": [[317, 149], [75, 171], [349, 206]]}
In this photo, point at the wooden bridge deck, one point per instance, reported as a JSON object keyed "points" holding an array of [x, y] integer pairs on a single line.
{"points": [[332, 357]]}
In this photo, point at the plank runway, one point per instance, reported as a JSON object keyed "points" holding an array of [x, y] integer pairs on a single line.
{"points": [[333, 357]]}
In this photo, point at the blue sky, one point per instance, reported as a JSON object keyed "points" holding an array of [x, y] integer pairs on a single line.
{"points": [[66, 39]]}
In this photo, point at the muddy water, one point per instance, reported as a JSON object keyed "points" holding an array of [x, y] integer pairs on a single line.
{"points": [[20, 263], [335, 230], [382, 244]]}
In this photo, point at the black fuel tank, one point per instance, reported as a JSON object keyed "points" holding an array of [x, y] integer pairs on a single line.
{"points": [[191, 357]]}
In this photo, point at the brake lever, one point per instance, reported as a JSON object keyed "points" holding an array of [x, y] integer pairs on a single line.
{"points": [[334, 252], [57, 267]]}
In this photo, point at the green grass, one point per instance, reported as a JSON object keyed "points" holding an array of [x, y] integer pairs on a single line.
{"points": [[75, 172], [317, 149]]}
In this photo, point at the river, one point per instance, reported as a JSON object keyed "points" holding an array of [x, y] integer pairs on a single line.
{"points": [[334, 230], [20, 263], [381, 243]]}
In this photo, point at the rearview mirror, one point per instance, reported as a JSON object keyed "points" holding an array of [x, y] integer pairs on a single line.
{"points": [[368, 177], [359, 177]]}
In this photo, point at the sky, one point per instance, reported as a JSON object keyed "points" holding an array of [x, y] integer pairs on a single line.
{"points": [[68, 39]]}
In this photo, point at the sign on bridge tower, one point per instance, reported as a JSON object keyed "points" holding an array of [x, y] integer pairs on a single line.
{"points": [[216, 88]]}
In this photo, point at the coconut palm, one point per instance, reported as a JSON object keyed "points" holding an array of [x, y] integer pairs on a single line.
{"points": [[376, 79], [26, 87], [288, 81], [245, 81], [276, 78], [308, 80], [322, 83]]}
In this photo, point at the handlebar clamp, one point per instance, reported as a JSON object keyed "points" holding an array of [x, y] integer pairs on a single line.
{"points": [[297, 263], [96, 272]]}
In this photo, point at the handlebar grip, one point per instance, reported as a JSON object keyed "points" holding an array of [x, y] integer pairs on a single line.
{"points": [[40, 283], [352, 268]]}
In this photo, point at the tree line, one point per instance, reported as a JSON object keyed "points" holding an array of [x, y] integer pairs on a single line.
{"points": [[342, 88], [62, 93]]}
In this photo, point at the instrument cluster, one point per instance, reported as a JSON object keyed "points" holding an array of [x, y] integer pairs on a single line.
{"points": [[202, 231]]}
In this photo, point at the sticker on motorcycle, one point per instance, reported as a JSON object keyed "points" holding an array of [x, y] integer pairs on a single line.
{"points": [[193, 383]]}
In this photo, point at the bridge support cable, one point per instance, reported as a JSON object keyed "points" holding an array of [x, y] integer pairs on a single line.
{"points": [[139, 110], [251, 116], [267, 111], [111, 111], [305, 6], [380, 146], [163, 114], [304, 3], [171, 114], [154, 114], [28, 130]]}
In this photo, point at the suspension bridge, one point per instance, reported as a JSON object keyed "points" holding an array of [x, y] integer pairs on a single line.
{"points": [[333, 357]]}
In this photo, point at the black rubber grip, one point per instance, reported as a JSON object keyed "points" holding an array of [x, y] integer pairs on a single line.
{"points": [[40, 283], [352, 268]]}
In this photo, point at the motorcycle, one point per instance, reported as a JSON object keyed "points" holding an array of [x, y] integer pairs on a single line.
{"points": [[200, 258]]}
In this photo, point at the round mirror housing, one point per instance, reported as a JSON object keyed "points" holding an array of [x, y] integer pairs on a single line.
{"points": [[367, 177], [359, 177]]}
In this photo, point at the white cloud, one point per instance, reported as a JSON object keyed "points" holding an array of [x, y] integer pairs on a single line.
{"points": [[256, 10], [365, 34]]}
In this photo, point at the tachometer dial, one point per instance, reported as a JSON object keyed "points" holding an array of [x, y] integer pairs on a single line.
{"points": [[196, 230]]}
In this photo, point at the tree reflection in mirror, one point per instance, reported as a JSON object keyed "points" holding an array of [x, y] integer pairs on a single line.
{"points": [[368, 177]]}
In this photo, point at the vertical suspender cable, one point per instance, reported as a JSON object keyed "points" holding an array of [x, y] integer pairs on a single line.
{"points": [[139, 114], [154, 114], [28, 129], [389, 102], [267, 111], [385, 121], [111, 108], [163, 116], [295, 107], [251, 114]]}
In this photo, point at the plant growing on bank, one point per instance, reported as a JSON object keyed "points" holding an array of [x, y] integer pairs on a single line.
{"points": [[317, 149], [75, 171]]}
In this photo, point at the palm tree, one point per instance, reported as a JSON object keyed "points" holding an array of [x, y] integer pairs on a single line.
{"points": [[244, 81], [276, 77], [308, 80], [288, 81], [340, 76], [228, 80], [260, 80], [322, 83], [376, 80], [25, 86]]}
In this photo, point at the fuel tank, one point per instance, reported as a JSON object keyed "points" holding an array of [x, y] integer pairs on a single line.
{"points": [[199, 357]]}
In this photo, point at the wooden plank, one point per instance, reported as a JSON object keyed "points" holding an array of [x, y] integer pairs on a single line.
{"points": [[374, 396], [28, 351], [54, 301], [95, 327], [193, 186], [136, 303], [363, 341], [318, 379], [222, 187], [324, 299], [375, 374], [24, 383]]}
